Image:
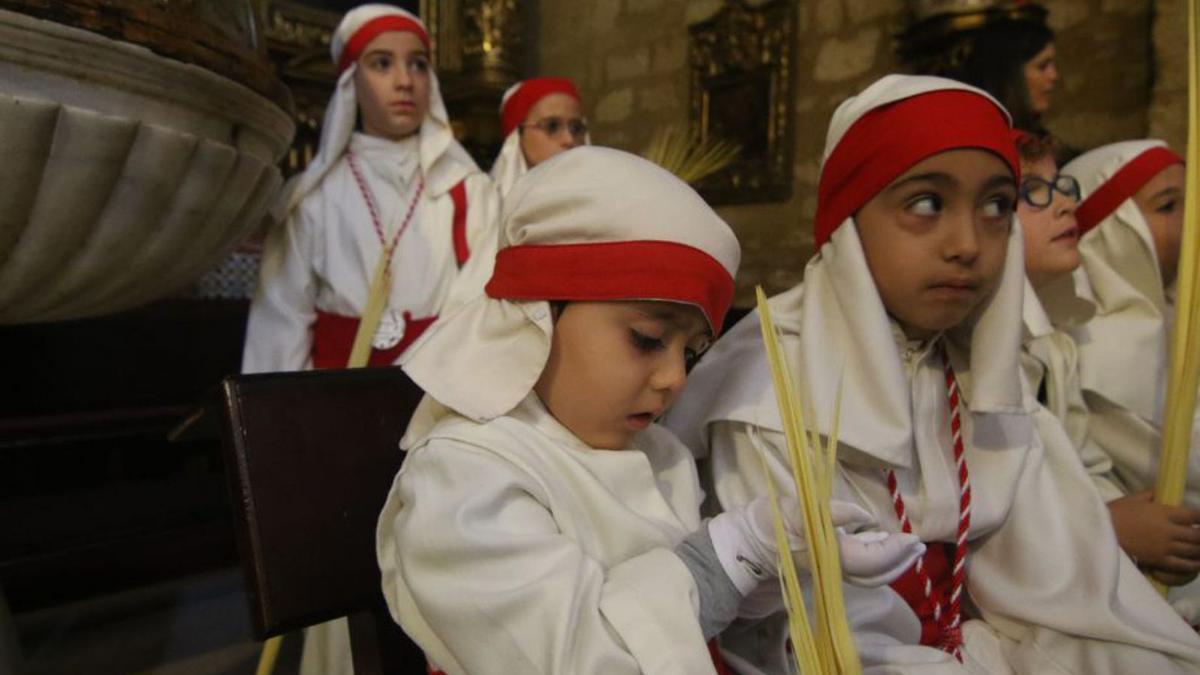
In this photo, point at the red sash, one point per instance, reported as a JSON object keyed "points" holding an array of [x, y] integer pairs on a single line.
{"points": [[333, 340], [937, 565], [333, 334]]}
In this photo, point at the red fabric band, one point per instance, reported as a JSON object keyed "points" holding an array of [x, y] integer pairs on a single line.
{"points": [[623, 270], [887, 141], [371, 29], [333, 340], [516, 108], [458, 195], [1124, 183]]}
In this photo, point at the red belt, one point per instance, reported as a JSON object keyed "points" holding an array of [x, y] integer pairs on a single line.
{"points": [[333, 340]]}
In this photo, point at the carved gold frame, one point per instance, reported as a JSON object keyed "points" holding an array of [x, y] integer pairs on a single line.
{"points": [[740, 69]]}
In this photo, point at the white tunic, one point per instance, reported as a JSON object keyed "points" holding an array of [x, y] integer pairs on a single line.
{"points": [[510, 165], [511, 547], [323, 257], [1124, 350], [1050, 360]]}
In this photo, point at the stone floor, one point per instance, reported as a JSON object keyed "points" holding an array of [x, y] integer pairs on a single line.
{"points": [[194, 626]]}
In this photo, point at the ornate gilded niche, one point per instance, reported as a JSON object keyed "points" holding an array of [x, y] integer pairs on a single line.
{"points": [[479, 52], [740, 61]]}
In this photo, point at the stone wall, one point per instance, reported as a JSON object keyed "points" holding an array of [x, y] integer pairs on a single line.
{"points": [[1168, 103], [630, 60], [1105, 66]]}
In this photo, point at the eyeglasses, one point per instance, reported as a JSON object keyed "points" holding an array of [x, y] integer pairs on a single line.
{"points": [[1038, 192], [551, 126]]}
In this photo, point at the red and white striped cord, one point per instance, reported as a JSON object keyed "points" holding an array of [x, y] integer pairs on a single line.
{"points": [[948, 619], [388, 247]]}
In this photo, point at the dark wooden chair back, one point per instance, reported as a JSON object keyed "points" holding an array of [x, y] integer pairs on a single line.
{"points": [[311, 457]]}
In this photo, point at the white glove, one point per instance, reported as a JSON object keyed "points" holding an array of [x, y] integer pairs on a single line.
{"points": [[877, 558], [744, 539]]}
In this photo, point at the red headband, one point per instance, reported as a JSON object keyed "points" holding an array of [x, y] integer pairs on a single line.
{"points": [[1128, 180], [888, 140], [514, 111], [620, 270], [371, 29]]}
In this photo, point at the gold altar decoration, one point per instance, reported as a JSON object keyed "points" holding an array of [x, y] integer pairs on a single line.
{"points": [[479, 51], [740, 62]]}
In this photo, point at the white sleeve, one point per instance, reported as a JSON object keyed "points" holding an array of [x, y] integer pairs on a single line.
{"points": [[282, 313], [497, 587], [483, 240]]}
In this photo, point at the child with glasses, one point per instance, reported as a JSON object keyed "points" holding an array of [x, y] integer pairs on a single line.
{"points": [[540, 118], [1057, 301], [1132, 222]]}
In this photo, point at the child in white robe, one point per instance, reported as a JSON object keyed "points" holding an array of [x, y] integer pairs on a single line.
{"points": [[912, 307], [1132, 219], [542, 522], [390, 181], [1057, 301], [539, 118]]}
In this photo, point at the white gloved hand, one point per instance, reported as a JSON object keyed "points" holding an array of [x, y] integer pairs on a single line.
{"points": [[877, 558], [744, 539]]}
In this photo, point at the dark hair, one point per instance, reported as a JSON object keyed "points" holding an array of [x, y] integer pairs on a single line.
{"points": [[995, 62], [1033, 147]]}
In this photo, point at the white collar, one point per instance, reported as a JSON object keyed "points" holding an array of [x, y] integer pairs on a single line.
{"points": [[394, 159]]}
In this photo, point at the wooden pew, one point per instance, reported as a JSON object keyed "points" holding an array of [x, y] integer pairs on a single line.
{"points": [[310, 459]]}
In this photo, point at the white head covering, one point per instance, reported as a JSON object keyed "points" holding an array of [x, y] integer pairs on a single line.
{"points": [[510, 164], [443, 161], [590, 224], [835, 326], [1123, 350]]}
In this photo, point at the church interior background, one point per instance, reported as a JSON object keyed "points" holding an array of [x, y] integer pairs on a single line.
{"points": [[109, 523]]}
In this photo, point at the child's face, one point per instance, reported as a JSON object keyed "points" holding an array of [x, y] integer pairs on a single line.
{"points": [[1161, 203], [935, 239], [392, 82], [547, 130], [614, 367], [1051, 233]]}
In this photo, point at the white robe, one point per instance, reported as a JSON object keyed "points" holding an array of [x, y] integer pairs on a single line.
{"points": [[1123, 351], [1050, 360], [511, 547], [510, 165], [324, 256], [1048, 586]]}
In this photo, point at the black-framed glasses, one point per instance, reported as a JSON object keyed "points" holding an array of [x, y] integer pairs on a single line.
{"points": [[552, 126], [1038, 192]]}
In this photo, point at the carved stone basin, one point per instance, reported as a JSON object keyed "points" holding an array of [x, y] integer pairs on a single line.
{"points": [[124, 174]]}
